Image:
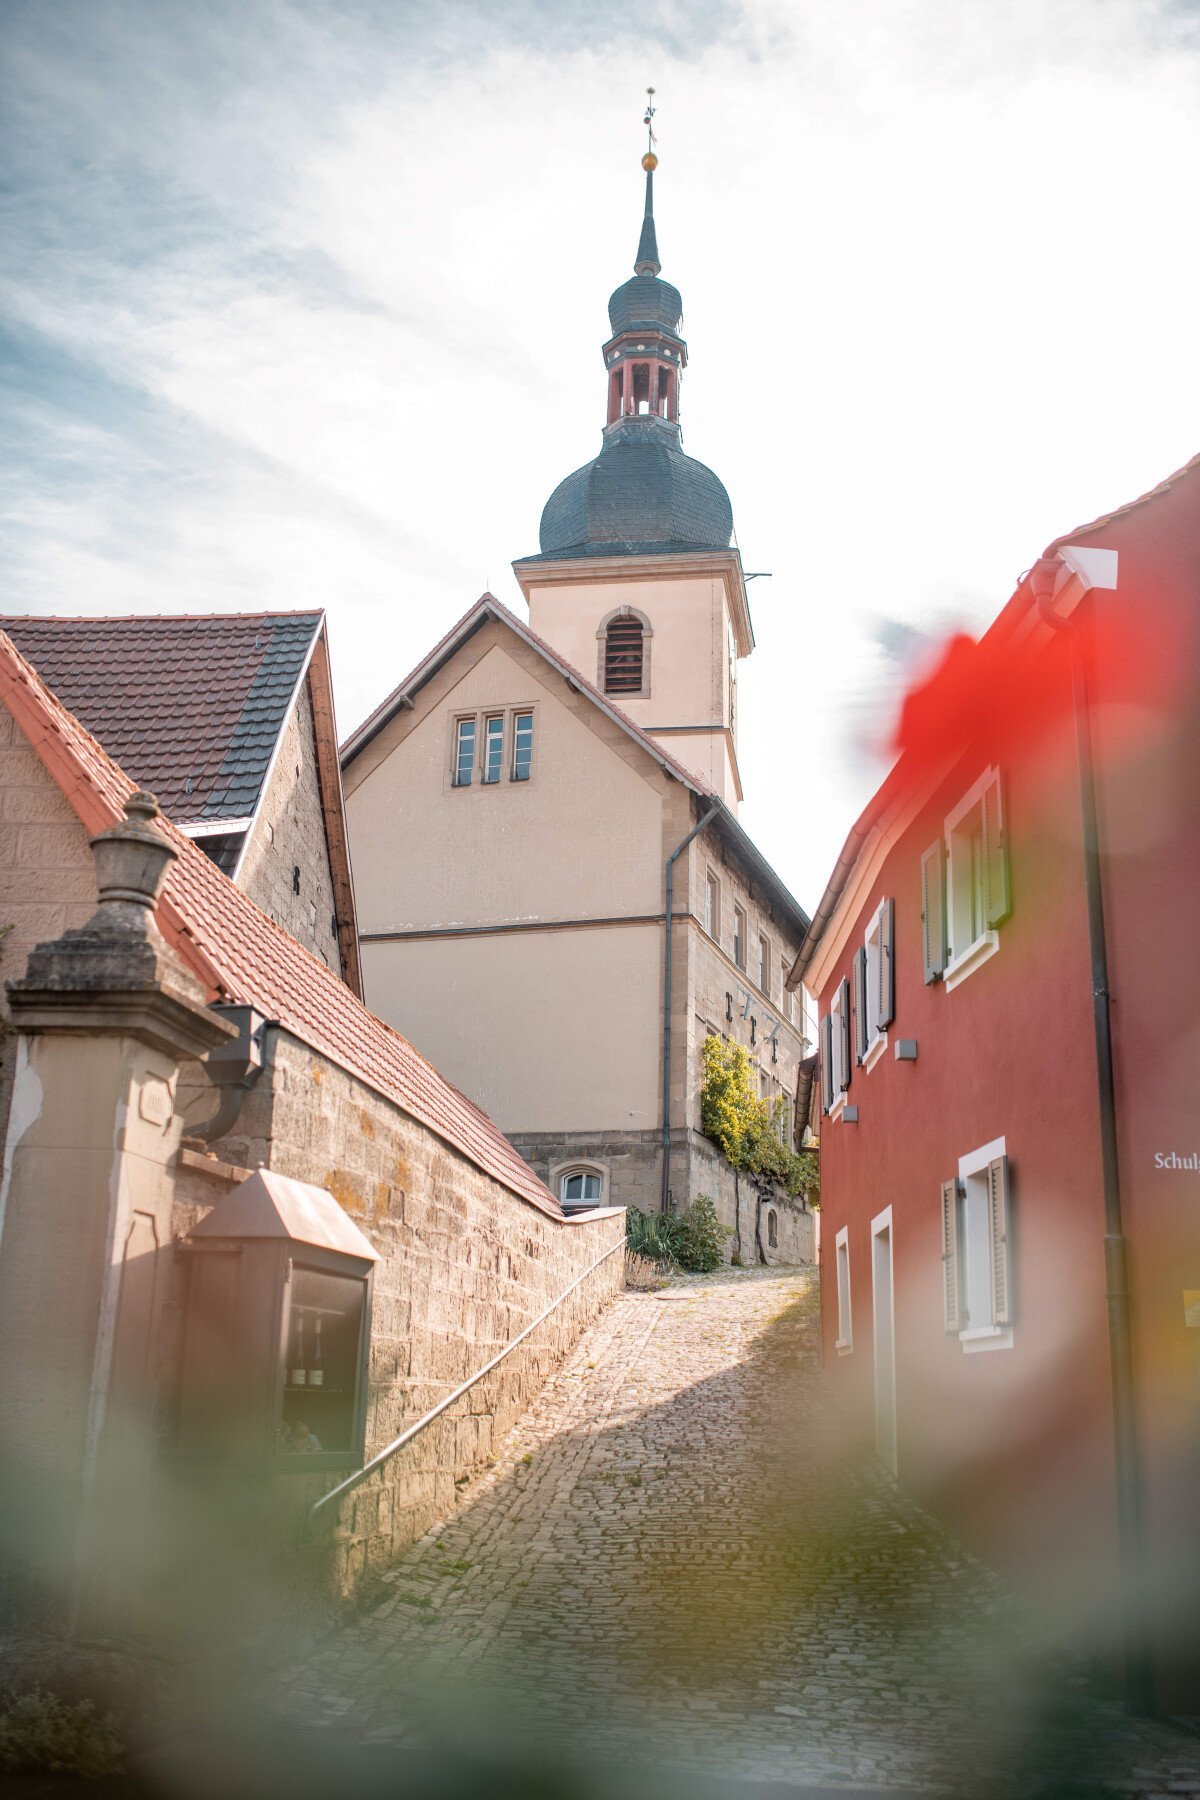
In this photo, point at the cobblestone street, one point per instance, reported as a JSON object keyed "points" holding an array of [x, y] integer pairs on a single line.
{"points": [[661, 1572]]}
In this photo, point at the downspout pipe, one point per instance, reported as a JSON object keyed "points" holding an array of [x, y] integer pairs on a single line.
{"points": [[1139, 1697], [709, 816]]}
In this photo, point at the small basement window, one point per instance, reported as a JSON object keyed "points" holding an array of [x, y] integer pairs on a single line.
{"points": [[580, 1187]]}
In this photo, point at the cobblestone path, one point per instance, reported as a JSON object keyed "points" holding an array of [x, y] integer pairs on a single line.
{"points": [[662, 1573]]}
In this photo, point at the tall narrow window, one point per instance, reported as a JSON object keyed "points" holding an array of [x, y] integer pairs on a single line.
{"points": [[842, 1256], [764, 965], [464, 752], [712, 905], [787, 992], [493, 748], [522, 746], [623, 656], [739, 937]]}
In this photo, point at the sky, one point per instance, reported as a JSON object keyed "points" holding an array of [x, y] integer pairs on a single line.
{"points": [[303, 305]]}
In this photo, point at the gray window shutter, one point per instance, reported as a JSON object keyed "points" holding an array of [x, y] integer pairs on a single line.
{"points": [[885, 1001], [950, 1281], [825, 1034], [998, 1233], [933, 911], [842, 1055], [860, 1004], [997, 895]]}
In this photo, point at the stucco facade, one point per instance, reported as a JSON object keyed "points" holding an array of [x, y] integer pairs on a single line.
{"points": [[523, 948]]}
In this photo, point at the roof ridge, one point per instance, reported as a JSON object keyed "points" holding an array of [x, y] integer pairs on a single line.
{"points": [[305, 612], [1162, 487]]}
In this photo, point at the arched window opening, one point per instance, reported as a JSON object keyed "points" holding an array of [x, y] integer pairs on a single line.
{"points": [[641, 387], [615, 382], [623, 656], [773, 1229], [666, 397], [580, 1187]]}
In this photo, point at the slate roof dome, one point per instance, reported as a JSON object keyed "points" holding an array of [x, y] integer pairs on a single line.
{"points": [[645, 300], [641, 494]]}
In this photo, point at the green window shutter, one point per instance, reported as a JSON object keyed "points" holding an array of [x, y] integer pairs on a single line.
{"points": [[998, 1233], [950, 1277], [933, 911], [860, 1004], [825, 1033], [841, 1079], [885, 999], [997, 885]]}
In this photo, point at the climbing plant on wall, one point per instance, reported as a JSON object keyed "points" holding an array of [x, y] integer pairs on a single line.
{"points": [[745, 1126]]}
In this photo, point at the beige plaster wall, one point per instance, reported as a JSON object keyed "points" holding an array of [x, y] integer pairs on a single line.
{"points": [[689, 657], [47, 878], [289, 832], [548, 1031], [580, 839]]}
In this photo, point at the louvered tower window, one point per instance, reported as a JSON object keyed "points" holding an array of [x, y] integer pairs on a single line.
{"points": [[623, 657]]}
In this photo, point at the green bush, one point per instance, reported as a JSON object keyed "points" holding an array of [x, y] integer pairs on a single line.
{"points": [[745, 1127], [40, 1731], [656, 1235], [701, 1250]]}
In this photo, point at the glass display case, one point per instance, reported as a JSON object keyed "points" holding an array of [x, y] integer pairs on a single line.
{"points": [[276, 1331]]}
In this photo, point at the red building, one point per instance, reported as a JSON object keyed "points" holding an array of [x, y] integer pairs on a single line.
{"points": [[1005, 961]]}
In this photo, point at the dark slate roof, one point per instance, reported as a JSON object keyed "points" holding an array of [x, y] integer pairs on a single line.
{"points": [[190, 707], [640, 495], [645, 300]]}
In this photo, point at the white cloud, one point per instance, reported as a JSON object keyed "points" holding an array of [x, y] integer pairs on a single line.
{"points": [[338, 274]]}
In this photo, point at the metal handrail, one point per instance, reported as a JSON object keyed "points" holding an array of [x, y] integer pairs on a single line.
{"points": [[414, 1430]]}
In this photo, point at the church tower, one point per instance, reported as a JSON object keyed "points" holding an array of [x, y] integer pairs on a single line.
{"points": [[636, 582]]}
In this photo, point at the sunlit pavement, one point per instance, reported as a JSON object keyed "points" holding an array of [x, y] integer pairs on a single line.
{"points": [[667, 1585]]}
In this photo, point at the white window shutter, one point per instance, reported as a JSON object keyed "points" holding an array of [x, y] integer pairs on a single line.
{"points": [[933, 911], [860, 1005], [825, 1034], [950, 1279], [998, 1233], [885, 1001], [997, 894], [841, 1080]]}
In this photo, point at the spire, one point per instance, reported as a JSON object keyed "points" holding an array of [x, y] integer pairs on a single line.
{"points": [[647, 262]]}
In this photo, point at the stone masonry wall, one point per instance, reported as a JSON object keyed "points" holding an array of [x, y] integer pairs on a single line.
{"points": [[465, 1266], [289, 834], [746, 1209], [631, 1161]]}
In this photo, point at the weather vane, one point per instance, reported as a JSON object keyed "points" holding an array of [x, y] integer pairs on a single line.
{"points": [[650, 161]]}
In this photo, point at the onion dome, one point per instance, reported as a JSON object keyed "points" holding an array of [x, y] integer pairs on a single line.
{"points": [[642, 494]]}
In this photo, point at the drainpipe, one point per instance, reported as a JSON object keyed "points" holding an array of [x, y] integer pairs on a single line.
{"points": [[1130, 1542], [666, 1054]]}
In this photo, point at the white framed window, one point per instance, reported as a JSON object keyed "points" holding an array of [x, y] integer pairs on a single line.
{"points": [[965, 885], [739, 937], [522, 763], [764, 965], [834, 1047], [464, 751], [493, 748], [977, 1264], [580, 1185], [712, 904], [874, 987], [841, 1253]]}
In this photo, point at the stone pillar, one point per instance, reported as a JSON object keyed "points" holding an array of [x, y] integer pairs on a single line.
{"points": [[105, 1014]]}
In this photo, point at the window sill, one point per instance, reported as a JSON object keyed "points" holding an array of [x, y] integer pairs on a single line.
{"points": [[986, 1337], [838, 1107], [843, 1347], [874, 1052], [972, 958]]}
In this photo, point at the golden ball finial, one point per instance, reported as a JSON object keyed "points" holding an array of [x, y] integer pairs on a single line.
{"points": [[649, 162]]}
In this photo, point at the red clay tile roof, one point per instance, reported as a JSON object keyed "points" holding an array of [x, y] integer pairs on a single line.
{"points": [[190, 707], [242, 955]]}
